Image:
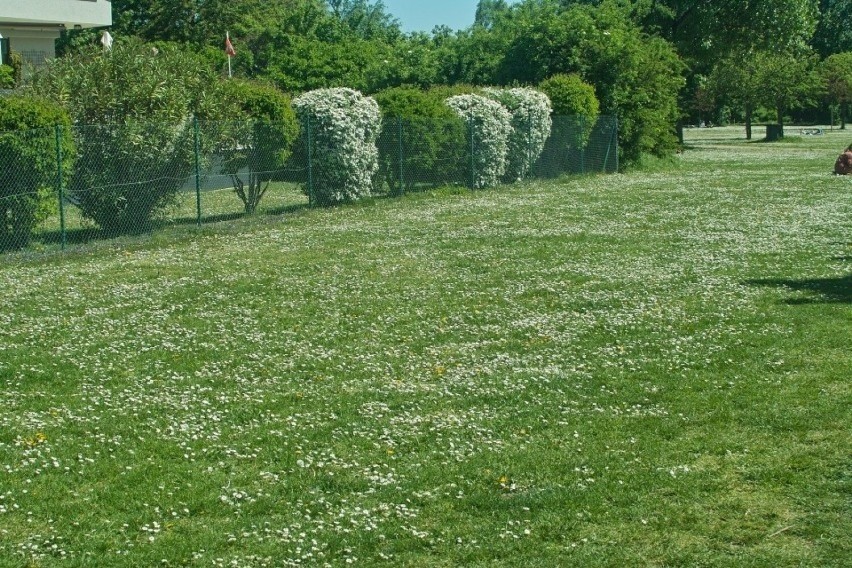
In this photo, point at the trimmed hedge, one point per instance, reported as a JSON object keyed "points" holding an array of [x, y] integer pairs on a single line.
{"points": [[28, 164], [342, 126], [433, 143], [571, 96], [531, 124], [489, 128]]}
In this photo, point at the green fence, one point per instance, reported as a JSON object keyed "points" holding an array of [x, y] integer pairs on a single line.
{"points": [[133, 179]]}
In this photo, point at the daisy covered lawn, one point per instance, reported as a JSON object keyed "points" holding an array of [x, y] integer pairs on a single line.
{"points": [[650, 368]]}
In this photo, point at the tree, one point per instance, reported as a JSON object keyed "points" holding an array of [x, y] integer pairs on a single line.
{"points": [[836, 72], [703, 30], [471, 56], [735, 79], [704, 100], [537, 41], [488, 11], [134, 108], [357, 46], [366, 20], [411, 61], [201, 22], [834, 31], [259, 141], [637, 78], [786, 81]]}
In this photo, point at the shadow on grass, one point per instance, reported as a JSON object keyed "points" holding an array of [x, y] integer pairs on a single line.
{"points": [[292, 208], [825, 290], [86, 235], [76, 236], [205, 219]]}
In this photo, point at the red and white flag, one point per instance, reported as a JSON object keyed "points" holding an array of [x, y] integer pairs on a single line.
{"points": [[229, 47]]}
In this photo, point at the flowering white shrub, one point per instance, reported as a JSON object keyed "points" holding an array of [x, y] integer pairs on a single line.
{"points": [[489, 125], [343, 126], [531, 124]]}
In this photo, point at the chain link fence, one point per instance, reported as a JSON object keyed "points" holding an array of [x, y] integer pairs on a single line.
{"points": [[107, 181]]}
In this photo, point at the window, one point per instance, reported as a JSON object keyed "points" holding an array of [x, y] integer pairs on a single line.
{"points": [[5, 51]]}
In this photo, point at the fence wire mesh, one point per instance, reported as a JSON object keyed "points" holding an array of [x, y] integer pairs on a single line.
{"points": [[100, 181]]}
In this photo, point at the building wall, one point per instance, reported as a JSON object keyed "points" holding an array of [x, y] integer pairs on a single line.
{"points": [[32, 26], [34, 44], [70, 13]]}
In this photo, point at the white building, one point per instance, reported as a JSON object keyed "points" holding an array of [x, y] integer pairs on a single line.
{"points": [[30, 27]]}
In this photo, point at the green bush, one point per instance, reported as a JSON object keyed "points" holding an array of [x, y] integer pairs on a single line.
{"points": [[571, 96], [16, 62], [575, 114], [645, 100], [135, 146], [256, 147], [28, 156], [433, 143], [7, 77]]}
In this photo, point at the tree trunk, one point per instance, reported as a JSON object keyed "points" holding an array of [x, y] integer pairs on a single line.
{"points": [[748, 121]]}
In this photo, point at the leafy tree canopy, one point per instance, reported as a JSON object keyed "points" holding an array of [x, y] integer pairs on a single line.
{"points": [[834, 31]]}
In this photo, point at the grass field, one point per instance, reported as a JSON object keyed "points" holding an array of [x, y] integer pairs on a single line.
{"points": [[646, 369]]}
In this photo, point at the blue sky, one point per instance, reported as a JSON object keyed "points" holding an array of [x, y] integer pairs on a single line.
{"points": [[423, 15]]}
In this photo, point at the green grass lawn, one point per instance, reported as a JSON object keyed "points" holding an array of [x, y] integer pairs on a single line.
{"points": [[646, 369]]}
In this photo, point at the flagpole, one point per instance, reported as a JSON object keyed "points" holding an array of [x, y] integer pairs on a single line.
{"points": [[228, 38]]}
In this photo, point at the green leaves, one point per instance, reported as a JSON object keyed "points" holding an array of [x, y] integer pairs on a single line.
{"points": [[571, 96], [259, 139], [134, 106], [28, 153], [785, 81], [836, 73]]}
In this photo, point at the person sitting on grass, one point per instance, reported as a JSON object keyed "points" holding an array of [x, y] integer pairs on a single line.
{"points": [[843, 165]]}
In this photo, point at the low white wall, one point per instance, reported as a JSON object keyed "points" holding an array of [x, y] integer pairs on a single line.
{"points": [[70, 13]]}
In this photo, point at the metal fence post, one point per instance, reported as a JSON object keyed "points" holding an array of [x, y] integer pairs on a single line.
{"points": [[401, 156], [197, 142], [470, 127], [615, 140], [585, 143], [529, 168], [310, 167], [59, 187], [609, 147]]}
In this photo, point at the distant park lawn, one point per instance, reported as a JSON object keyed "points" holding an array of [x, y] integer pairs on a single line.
{"points": [[643, 369]]}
